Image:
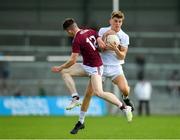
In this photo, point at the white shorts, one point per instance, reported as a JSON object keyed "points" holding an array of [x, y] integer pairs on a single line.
{"points": [[112, 71], [93, 70]]}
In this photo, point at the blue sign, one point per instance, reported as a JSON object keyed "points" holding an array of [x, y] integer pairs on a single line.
{"points": [[48, 105]]}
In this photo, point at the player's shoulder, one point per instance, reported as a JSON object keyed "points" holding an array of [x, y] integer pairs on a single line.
{"points": [[83, 31], [104, 29], [88, 31], [122, 33]]}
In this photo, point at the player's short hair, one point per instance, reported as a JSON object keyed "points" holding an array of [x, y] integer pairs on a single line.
{"points": [[117, 14], [69, 22]]}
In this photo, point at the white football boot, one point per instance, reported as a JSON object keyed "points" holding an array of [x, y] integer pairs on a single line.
{"points": [[128, 113], [74, 102]]}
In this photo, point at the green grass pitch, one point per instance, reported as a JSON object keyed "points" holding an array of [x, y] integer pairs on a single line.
{"points": [[108, 127]]}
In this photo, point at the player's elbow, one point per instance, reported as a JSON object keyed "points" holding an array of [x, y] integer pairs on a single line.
{"points": [[122, 57], [72, 61]]}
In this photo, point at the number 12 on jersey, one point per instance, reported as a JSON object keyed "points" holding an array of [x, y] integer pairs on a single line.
{"points": [[92, 42]]}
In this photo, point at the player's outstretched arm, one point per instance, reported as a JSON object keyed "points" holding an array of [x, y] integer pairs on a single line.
{"points": [[67, 64]]}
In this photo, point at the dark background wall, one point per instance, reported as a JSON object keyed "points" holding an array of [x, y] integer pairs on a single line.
{"points": [[48, 14]]}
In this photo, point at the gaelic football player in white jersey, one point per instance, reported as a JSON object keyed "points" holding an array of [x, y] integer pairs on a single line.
{"points": [[115, 56]]}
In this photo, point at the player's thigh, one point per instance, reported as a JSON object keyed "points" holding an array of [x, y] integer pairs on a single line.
{"points": [[75, 70], [121, 82]]}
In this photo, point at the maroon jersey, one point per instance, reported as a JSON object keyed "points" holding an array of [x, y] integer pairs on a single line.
{"points": [[85, 43]]}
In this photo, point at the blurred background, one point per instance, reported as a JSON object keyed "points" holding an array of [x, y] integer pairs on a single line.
{"points": [[32, 40]]}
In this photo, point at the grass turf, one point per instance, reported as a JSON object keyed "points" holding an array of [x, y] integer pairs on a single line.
{"points": [[108, 127]]}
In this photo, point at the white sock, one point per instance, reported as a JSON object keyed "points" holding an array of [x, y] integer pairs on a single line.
{"points": [[125, 97], [75, 94], [120, 105], [82, 116]]}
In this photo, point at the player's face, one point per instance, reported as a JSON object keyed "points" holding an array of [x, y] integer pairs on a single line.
{"points": [[70, 33], [116, 24]]}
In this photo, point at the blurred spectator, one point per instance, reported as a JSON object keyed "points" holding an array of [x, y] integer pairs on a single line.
{"points": [[18, 92], [3, 87], [16, 89], [4, 70], [143, 91], [173, 87], [140, 61], [4, 75], [41, 90]]}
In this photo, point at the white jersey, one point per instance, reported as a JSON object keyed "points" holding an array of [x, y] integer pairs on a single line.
{"points": [[109, 57]]}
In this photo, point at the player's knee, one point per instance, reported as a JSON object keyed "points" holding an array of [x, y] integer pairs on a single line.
{"points": [[62, 72], [98, 93]]}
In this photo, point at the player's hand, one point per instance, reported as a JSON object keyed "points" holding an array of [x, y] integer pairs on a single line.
{"points": [[56, 69], [101, 43], [111, 46]]}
